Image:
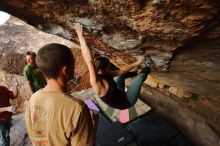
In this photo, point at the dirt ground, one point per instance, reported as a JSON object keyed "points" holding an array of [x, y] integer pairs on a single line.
{"points": [[18, 133]]}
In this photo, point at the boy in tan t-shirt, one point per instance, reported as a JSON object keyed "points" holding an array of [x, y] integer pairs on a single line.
{"points": [[52, 117]]}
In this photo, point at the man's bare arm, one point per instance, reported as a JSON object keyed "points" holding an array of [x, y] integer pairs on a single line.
{"points": [[6, 109], [3, 109]]}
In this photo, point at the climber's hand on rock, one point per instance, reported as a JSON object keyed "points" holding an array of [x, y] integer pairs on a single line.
{"points": [[78, 28], [140, 60]]}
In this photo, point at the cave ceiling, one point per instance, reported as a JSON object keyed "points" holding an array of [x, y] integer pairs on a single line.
{"points": [[124, 29]]}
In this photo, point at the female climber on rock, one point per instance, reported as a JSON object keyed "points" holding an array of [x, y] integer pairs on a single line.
{"points": [[109, 85]]}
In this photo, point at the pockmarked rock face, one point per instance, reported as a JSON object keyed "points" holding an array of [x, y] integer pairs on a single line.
{"points": [[154, 27]]}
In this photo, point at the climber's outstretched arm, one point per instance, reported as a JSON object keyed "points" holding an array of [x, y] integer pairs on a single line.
{"points": [[126, 68], [95, 81]]}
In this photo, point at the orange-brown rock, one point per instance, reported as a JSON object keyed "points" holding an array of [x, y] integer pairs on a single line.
{"points": [[181, 37]]}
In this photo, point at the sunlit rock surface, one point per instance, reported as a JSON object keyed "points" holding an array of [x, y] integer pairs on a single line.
{"points": [[150, 27]]}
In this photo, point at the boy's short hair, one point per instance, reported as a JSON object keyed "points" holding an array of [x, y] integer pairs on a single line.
{"points": [[33, 54], [51, 57]]}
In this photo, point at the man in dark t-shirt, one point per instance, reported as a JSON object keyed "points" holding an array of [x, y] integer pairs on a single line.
{"points": [[5, 115]]}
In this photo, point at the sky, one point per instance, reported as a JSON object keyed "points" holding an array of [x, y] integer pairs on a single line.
{"points": [[3, 17]]}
